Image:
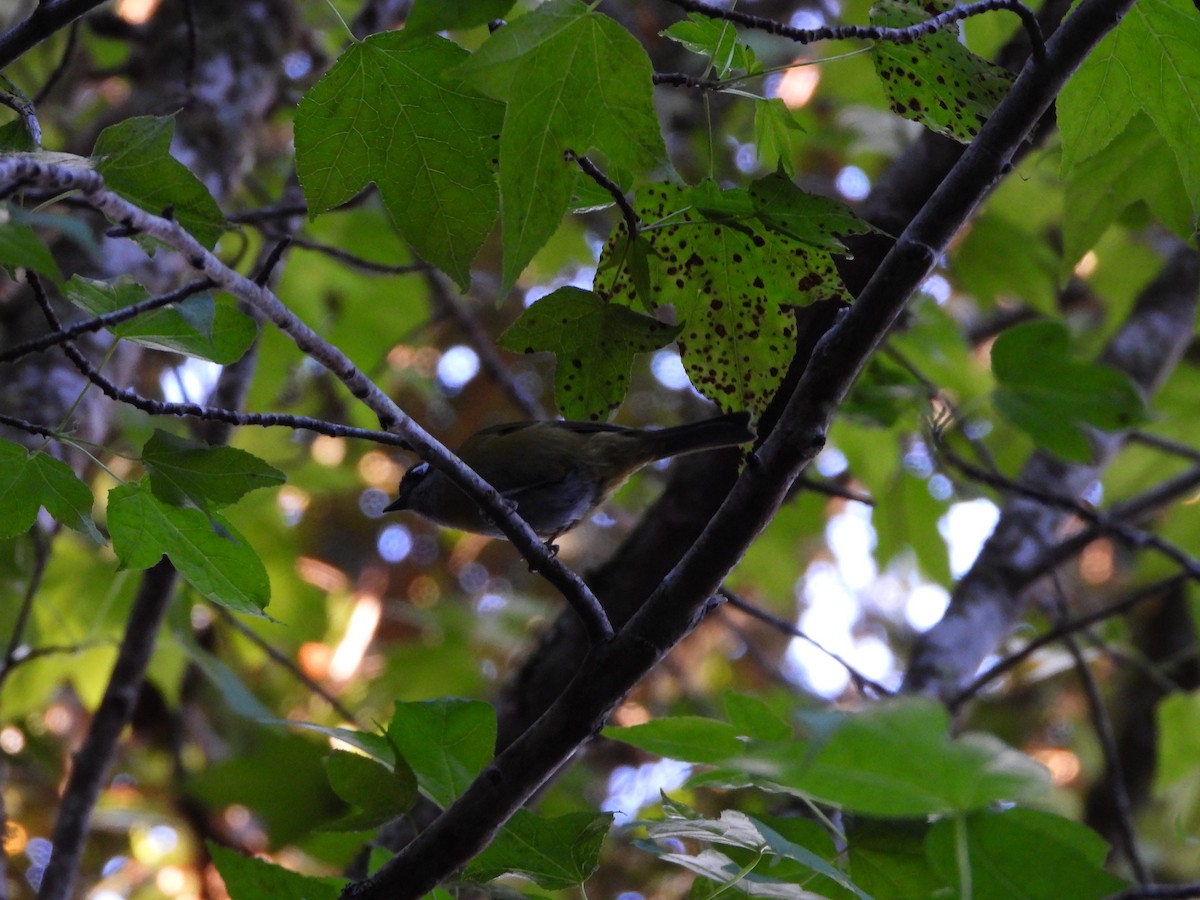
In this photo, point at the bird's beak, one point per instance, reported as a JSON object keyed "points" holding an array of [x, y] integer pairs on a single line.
{"points": [[396, 505]]}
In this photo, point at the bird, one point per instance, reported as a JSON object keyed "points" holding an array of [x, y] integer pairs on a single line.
{"points": [[556, 472]]}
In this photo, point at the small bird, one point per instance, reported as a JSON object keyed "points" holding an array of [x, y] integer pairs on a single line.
{"points": [[556, 472]]}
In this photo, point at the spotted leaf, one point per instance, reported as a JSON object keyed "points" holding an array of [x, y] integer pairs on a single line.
{"points": [[935, 81], [595, 342], [732, 277]]}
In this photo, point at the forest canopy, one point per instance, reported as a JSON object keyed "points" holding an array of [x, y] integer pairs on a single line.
{"points": [[931, 632]]}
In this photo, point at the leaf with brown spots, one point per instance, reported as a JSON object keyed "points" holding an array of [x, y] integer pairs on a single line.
{"points": [[935, 81], [809, 218], [731, 277], [595, 342]]}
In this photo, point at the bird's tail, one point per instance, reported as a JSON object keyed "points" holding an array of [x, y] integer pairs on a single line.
{"points": [[728, 430]]}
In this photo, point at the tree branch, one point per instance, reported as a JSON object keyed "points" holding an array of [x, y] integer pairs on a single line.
{"points": [[48, 17], [108, 320], [1103, 727], [1058, 632], [92, 761], [906, 35]]}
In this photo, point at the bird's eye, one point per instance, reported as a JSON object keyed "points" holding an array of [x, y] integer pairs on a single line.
{"points": [[417, 472]]}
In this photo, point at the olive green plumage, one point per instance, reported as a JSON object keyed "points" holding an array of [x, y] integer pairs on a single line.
{"points": [[556, 472]]}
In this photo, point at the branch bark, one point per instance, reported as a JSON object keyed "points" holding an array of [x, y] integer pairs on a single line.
{"points": [[92, 761], [46, 19]]}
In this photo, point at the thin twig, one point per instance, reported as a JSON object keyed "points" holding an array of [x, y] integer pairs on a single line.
{"points": [[23, 107], [268, 214], [1160, 892], [41, 553], [1108, 743], [198, 411], [1058, 632], [267, 269], [632, 222], [108, 320], [357, 262], [905, 35], [63, 62], [1165, 444], [1133, 509], [284, 662], [681, 79], [829, 489], [1105, 522], [783, 625], [47, 17], [29, 427], [484, 346]]}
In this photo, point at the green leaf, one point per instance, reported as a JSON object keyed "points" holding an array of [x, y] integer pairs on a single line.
{"points": [[716, 39], [288, 808], [595, 343], [446, 742], [29, 481], [776, 134], [376, 746], [388, 112], [235, 694], [15, 136], [865, 764], [935, 81], [883, 394], [888, 860], [249, 878], [429, 16], [1070, 857], [687, 738], [1177, 775], [753, 718], [207, 550], [197, 326], [573, 80], [210, 477], [732, 281], [1031, 275], [909, 521], [377, 793], [805, 217], [1147, 64], [556, 853], [1135, 166], [134, 156], [1052, 397], [20, 247]]}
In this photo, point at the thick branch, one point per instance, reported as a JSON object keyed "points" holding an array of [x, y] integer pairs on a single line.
{"points": [[47, 18], [92, 762]]}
